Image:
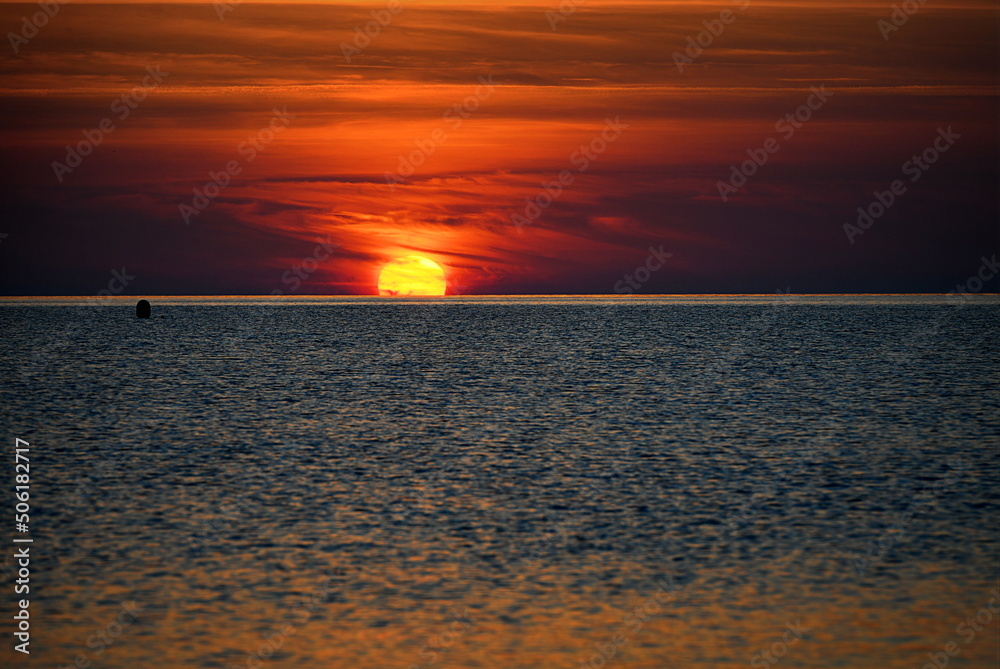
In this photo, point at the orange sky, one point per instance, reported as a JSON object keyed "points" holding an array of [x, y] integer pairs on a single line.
{"points": [[324, 175]]}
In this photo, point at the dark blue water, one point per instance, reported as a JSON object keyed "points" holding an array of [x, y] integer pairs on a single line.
{"points": [[487, 482]]}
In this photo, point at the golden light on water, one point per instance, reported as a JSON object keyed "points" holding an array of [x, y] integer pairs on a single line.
{"points": [[412, 275]]}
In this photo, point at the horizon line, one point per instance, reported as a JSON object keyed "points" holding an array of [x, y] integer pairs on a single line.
{"points": [[437, 297]]}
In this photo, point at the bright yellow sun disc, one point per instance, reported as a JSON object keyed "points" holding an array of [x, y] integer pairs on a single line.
{"points": [[411, 275]]}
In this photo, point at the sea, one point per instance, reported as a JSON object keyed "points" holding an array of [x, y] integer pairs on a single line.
{"points": [[504, 482]]}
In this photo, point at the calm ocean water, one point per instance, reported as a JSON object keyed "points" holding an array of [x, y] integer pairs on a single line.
{"points": [[516, 482]]}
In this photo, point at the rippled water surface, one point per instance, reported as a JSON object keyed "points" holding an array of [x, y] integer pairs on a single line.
{"points": [[523, 483]]}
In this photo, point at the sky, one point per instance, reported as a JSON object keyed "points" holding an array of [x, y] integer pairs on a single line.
{"points": [[258, 148]]}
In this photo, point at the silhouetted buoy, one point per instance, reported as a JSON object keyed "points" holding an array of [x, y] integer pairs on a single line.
{"points": [[142, 309]]}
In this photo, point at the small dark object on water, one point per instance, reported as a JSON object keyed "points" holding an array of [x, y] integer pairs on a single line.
{"points": [[142, 309]]}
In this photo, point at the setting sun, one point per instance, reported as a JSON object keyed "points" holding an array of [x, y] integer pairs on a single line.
{"points": [[411, 275]]}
